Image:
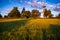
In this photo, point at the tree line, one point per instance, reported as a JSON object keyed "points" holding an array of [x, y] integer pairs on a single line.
{"points": [[15, 13]]}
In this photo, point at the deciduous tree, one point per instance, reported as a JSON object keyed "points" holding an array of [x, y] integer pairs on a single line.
{"points": [[0, 16], [35, 13], [50, 15], [58, 16], [45, 13], [14, 13]]}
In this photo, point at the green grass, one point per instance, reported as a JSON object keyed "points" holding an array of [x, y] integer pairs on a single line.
{"points": [[8, 20], [32, 29], [7, 26]]}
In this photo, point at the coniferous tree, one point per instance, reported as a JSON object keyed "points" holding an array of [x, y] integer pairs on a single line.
{"points": [[23, 13], [23, 10]]}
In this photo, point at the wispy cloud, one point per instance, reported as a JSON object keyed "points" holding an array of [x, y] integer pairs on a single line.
{"points": [[39, 4], [36, 4], [5, 11], [57, 7]]}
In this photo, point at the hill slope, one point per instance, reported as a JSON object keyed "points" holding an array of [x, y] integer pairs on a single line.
{"points": [[36, 29], [42, 23]]}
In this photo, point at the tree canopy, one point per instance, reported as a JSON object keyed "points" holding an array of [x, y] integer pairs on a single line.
{"points": [[35, 13], [14, 13], [0, 16]]}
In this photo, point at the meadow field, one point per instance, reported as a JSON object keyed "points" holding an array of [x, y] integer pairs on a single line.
{"points": [[30, 29]]}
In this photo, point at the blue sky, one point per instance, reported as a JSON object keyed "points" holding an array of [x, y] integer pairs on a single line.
{"points": [[7, 5]]}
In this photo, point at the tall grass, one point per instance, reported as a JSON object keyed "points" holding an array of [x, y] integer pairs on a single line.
{"points": [[35, 29]]}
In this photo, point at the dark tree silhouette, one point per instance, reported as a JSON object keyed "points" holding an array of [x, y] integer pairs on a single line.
{"points": [[23, 13], [23, 10], [14, 13], [0, 16], [5, 16], [45, 13], [27, 14], [58, 16], [50, 15], [35, 13]]}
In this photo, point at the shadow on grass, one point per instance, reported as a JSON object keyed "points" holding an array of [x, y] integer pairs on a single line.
{"points": [[7, 26], [52, 33], [55, 32]]}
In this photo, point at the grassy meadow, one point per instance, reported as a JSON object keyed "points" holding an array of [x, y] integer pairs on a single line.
{"points": [[30, 29]]}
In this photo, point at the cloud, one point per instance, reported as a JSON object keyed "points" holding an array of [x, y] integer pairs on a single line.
{"points": [[34, 0], [39, 4], [5, 11], [57, 7], [36, 4]]}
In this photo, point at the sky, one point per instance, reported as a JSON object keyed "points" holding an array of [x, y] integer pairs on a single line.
{"points": [[7, 5]]}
